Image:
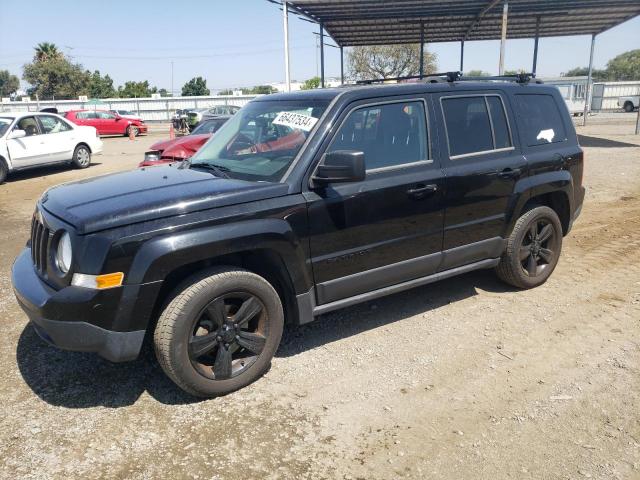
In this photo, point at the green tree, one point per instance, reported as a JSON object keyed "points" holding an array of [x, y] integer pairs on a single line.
{"points": [[47, 51], [9, 84], [197, 86], [56, 77], [101, 87], [164, 93], [311, 84], [597, 75], [388, 61], [136, 90], [226, 91], [625, 66], [477, 73], [259, 90]]}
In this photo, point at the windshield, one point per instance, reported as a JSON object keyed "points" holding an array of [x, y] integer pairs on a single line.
{"points": [[260, 141], [4, 124], [208, 126]]}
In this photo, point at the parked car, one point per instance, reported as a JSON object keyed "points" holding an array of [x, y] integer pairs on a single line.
{"points": [[181, 148], [304, 203], [629, 104], [126, 114], [29, 139], [222, 110], [106, 123], [194, 116]]}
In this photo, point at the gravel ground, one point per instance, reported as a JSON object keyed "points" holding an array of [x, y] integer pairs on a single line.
{"points": [[465, 378]]}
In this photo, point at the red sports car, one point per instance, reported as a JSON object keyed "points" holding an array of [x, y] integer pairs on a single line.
{"points": [[181, 148], [107, 123]]}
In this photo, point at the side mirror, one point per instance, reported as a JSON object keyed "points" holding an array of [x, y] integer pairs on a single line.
{"points": [[17, 134], [341, 166], [118, 117]]}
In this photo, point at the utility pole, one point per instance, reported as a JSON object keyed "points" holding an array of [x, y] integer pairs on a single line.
{"points": [[503, 40], [172, 78], [285, 25]]}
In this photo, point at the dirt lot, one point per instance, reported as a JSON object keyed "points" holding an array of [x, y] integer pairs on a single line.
{"points": [[461, 379]]}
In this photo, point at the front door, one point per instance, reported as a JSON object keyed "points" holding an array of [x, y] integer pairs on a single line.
{"points": [[482, 166], [29, 150], [58, 137], [388, 228]]}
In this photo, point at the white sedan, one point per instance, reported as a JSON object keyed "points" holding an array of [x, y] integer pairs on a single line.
{"points": [[29, 139]]}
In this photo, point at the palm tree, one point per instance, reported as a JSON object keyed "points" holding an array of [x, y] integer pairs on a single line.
{"points": [[47, 51]]}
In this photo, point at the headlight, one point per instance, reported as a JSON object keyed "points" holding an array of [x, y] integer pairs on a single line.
{"points": [[151, 156], [64, 253]]}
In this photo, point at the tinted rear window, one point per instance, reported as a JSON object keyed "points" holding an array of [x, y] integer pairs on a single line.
{"points": [[541, 119], [468, 125]]}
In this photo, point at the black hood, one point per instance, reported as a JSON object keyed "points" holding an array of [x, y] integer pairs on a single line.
{"points": [[147, 194]]}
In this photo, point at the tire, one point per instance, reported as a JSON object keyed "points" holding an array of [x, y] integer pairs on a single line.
{"points": [[628, 107], [529, 259], [4, 171], [219, 332], [81, 156], [134, 129]]}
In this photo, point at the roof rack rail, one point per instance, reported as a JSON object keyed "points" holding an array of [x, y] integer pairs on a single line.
{"points": [[455, 77]]}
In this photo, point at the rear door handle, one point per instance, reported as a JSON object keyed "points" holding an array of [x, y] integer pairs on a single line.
{"points": [[510, 173], [420, 191]]}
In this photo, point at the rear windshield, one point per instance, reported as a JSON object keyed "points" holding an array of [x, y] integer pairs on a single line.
{"points": [[540, 119]]}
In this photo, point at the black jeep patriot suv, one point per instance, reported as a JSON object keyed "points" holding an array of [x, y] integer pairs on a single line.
{"points": [[301, 204]]}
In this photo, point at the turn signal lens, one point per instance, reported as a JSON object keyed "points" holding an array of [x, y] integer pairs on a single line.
{"points": [[98, 282]]}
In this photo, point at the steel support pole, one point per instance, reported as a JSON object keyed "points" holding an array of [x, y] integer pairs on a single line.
{"points": [[285, 25], [503, 38], [321, 56], [341, 65], [421, 50], [535, 47], [638, 123], [587, 93], [462, 56]]}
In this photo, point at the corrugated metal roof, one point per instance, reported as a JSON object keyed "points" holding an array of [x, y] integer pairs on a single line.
{"points": [[379, 22]]}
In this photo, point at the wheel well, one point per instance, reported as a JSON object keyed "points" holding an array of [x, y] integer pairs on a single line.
{"points": [[84, 144], [557, 201], [265, 263]]}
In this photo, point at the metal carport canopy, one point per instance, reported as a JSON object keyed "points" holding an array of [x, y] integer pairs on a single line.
{"points": [[385, 22]]}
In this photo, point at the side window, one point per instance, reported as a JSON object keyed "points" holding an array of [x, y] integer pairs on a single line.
{"points": [[105, 115], [29, 125], [468, 125], [541, 119], [389, 135], [501, 133], [52, 124]]}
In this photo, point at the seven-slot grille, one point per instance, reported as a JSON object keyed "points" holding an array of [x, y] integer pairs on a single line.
{"points": [[39, 243]]}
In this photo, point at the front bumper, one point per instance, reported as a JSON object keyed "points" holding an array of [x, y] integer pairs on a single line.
{"points": [[68, 318]]}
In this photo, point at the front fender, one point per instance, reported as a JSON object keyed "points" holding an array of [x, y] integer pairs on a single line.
{"points": [[160, 256]]}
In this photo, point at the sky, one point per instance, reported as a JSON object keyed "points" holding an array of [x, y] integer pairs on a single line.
{"points": [[238, 43]]}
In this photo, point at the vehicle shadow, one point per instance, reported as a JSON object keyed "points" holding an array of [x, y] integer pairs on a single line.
{"points": [[84, 380], [386, 310], [43, 171], [587, 141]]}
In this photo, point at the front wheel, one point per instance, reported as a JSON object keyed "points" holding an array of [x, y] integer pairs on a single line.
{"points": [[220, 332], [132, 130], [533, 249], [82, 156], [628, 107]]}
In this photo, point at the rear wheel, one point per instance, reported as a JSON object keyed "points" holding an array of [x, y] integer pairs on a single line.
{"points": [[220, 332], [533, 249], [82, 156], [628, 107], [132, 130], [4, 171]]}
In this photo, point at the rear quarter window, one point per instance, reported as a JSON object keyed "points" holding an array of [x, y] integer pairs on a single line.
{"points": [[541, 119]]}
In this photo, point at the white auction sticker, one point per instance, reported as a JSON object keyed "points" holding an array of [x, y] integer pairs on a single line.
{"points": [[295, 121]]}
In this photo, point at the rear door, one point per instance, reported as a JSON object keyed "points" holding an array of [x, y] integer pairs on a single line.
{"points": [[58, 137], [482, 165], [386, 229]]}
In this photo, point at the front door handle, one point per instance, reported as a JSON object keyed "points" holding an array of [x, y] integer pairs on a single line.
{"points": [[510, 173], [420, 191]]}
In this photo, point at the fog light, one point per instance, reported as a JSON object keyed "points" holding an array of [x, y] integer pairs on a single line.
{"points": [[98, 282]]}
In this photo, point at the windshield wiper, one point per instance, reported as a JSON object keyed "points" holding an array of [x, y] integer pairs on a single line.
{"points": [[218, 170]]}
